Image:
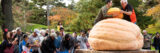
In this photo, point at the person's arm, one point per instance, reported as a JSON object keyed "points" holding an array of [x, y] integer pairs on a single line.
{"points": [[107, 16], [14, 42], [99, 17], [8, 44], [127, 13], [31, 42], [69, 51], [149, 38]]}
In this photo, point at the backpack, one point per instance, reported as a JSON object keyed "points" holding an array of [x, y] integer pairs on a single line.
{"points": [[133, 17]]}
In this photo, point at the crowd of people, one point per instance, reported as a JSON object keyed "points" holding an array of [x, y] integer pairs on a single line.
{"points": [[43, 41], [151, 40], [58, 41]]}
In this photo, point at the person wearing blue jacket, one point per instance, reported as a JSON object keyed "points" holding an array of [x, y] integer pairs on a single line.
{"points": [[24, 45]]}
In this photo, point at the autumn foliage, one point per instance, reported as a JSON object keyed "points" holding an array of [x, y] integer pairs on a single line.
{"points": [[62, 14]]}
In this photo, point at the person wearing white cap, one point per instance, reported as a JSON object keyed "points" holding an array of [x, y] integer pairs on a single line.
{"points": [[52, 31], [42, 35], [36, 31], [126, 10], [147, 40], [34, 40]]}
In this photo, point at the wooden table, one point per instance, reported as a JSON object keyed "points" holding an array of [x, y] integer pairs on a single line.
{"points": [[136, 51]]}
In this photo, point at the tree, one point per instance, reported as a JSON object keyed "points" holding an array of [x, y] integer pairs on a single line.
{"points": [[38, 16], [64, 15], [87, 9], [1, 17], [71, 6], [7, 14], [144, 21], [155, 12]]}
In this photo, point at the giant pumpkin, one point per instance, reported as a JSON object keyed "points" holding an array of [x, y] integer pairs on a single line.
{"points": [[115, 10], [115, 34]]}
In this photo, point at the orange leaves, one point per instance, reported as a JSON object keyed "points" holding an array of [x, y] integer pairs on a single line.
{"points": [[64, 12], [56, 17], [153, 11]]}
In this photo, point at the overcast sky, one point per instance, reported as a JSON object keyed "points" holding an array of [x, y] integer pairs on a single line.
{"points": [[69, 1], [64, 1]]}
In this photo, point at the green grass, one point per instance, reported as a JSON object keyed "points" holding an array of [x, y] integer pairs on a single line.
{"points": [[152, 48], [31, 26], [154, 29], [0, 42]]}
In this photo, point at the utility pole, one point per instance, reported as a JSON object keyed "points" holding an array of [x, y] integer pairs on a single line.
{"points": [[24, 15], [48, 14]]}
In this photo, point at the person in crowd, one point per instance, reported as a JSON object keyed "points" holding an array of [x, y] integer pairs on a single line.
{"points": [[62, 33], [24, 45], [53, 31], [27, 33], [156, 42], [34, 40], [42, 35], [7, 45], [47, 45], [103, 12], [147, 40], [18, 35], [88, 31], [59, 26], [14, 33], [67, 44], [83, 40], [57, 41], [76, 42], [47, 32]]}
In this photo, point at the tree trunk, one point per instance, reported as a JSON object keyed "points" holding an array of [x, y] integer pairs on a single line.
{"points": [[7, 12]]}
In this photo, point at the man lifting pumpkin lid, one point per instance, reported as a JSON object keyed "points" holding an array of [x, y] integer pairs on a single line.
{"points": [[102, 13], [127, 11]]}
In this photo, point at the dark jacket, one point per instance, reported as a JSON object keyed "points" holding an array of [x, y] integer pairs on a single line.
{"points": [[48, 45], [20, 37], [102, 14], [127, 8], [67, 44], [76, 42], [4, 45], [156, 42]]}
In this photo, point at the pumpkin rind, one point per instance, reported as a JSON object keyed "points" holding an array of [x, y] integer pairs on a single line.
{"points": [[115, 34], [115, 10]]}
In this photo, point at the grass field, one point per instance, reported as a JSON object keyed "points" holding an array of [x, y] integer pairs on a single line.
{"points": [[0, 42], [154, 29], [31, 27]]}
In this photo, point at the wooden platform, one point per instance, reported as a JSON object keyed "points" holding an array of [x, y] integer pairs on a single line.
{"points": [[137, 51]]}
